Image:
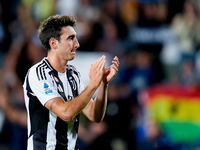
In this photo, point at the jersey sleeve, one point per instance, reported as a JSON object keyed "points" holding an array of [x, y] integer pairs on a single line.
{"points": [[43, 89]]}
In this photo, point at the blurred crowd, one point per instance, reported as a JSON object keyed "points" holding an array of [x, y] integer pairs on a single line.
{"points": [[157, 42]]}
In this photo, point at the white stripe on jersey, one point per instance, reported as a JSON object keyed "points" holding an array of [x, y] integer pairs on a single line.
{"points": [[30, 143], [71, 134], [51, 132]]}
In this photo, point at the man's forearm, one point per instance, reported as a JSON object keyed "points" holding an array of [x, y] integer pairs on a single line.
{"points": [[79, 103], [101, 102]]}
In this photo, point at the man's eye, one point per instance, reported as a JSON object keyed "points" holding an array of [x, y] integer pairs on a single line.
{"points": [[71, 37]]}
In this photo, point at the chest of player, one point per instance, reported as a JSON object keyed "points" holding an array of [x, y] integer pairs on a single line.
{"points": [[66, 85]]}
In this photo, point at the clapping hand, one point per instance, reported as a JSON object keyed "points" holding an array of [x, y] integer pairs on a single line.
{"points": [[111, 71]]}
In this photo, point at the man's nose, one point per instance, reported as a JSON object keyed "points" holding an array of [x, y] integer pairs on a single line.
{"points": [[77, 45]]}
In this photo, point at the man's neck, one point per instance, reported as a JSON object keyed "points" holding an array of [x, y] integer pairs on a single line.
{"points": [[58, 64]]}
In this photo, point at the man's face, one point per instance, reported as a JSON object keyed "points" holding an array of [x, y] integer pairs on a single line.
{"points": [[68, 43]]}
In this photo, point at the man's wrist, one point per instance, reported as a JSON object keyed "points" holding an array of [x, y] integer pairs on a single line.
{"points": [[104, 84]]}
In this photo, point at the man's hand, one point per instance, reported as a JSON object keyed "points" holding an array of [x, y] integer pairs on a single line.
{"points": [[111, 71], [96, 71]]}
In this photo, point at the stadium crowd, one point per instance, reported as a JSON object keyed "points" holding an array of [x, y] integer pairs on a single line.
{"points": [[157, 42]]}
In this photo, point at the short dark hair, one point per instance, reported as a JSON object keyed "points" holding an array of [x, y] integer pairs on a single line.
{"points": [[51, 28]]}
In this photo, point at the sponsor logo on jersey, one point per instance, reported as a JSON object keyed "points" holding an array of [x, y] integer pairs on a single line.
{"points": [[47, 89]]}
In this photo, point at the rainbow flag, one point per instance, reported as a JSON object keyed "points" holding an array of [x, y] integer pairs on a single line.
{"points": [[177, 111]]}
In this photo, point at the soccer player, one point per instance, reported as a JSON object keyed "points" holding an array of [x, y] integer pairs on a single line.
{"points": [[54, 92]]}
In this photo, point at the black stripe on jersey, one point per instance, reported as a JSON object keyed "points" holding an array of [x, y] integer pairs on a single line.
{"points": [[37, 71], [48, 64], [40, 70], [39, 118], [39, 139], [72, 81], [61, 134], [54, 74], [40, 74], [74, 70]]}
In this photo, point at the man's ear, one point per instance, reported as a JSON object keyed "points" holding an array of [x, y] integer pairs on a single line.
{"points": [[53, 43]]}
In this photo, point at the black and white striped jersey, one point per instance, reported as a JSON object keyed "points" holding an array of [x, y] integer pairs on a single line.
{"points": [[46, 131]]}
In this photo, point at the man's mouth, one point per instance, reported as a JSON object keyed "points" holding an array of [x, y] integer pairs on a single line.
{"points": [[73, 51]]}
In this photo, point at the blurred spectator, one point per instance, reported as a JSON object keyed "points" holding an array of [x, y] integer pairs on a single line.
{"points": [[101, 28], [87, 11], [184, 43], [111, 9], [93, 132], [129, 11], [186, 26], [110, 42], [8, 14], [39, 10], [197, 62], [2, 37], [67, 7], [25, 50], [143, 73], [172, 10], [152, 14], [171, 57], [89, 29], [188, 74]]}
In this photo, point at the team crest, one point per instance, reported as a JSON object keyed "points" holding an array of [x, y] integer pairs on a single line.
{"points": [[73, 83], [56, 79], [60, 88]]}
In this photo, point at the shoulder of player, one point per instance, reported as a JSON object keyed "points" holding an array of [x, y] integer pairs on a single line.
{"points": [[40, 70]]}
